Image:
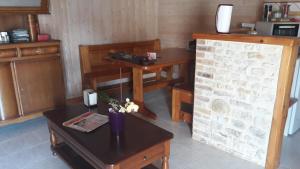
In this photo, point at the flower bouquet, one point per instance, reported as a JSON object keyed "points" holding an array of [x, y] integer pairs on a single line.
{"points": [[117, 110]]}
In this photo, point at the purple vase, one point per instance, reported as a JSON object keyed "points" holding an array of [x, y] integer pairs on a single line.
{"points": [[116, 121]]}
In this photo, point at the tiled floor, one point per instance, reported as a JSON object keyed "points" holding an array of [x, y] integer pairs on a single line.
{"points": [[290, 157], [26, 146]]}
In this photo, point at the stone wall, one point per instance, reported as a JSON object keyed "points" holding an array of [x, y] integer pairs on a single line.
{"points": [[235, 91]]}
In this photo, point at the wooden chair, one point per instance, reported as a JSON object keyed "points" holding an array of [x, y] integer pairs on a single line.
{"points": [[96, 69], [182, 94]]}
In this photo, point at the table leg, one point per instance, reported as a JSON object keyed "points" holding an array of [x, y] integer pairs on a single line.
{"points": [[53, 141], [53, 138], [184, 73], [165, 164], [165, 159], [170, 73], [138, 93], [176, 104]]}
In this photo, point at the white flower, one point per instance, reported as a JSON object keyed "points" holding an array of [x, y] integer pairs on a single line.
{"points": [[132, 107], [122, 109], [128, 107]]}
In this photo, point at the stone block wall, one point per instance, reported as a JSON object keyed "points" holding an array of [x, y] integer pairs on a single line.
{"points": [[235, 92]]}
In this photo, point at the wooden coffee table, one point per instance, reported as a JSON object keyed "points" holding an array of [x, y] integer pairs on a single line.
{"points": [[141, 143]]}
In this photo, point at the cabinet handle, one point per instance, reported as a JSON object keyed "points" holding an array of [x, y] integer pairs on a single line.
{"points": [[39, 51], [145, 158]]}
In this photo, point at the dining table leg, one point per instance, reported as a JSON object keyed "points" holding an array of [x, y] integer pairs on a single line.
{"points": [[138, 93], [184, 73]]}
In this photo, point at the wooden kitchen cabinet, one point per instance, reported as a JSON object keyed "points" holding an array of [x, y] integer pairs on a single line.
{"points": [[31, 80], [40, 84]]}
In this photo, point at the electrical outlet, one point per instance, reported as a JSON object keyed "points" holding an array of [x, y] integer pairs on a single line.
{"points": [[248, 25]]}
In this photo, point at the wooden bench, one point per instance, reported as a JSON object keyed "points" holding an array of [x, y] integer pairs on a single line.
{"points": [[96, 69], [182, 94]]}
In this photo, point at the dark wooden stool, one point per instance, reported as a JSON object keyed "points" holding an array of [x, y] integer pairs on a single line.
{"points": [[182, 94]]}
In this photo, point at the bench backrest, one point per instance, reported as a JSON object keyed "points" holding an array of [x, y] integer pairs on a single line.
{"points": [[92, 57]]}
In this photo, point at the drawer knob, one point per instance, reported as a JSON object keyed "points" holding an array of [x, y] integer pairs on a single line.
{"points": [[145, 158], [38, 51]]}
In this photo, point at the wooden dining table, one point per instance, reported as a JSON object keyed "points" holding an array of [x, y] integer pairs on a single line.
{"points": [[165, 58]]}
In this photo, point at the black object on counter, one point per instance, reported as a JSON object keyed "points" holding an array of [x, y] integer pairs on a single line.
{"points": [[141, 60]]}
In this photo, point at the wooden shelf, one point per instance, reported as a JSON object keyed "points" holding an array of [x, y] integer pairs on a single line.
{"points": [[28, 44]]}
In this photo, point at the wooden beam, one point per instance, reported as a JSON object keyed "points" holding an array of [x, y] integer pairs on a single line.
{"points": [[286, 73]]}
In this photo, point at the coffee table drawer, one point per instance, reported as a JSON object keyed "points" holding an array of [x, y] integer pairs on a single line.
{"points": [[144, 158]]}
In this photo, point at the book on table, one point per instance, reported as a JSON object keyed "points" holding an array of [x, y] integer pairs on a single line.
{"points": [[86, 122]]}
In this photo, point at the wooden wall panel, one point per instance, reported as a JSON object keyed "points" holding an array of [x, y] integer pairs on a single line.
{"points": [[96, 22], [178, 19], [105, 21]]}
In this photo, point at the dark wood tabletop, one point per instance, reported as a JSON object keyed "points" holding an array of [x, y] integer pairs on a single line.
{"points": [[166, 57], [101, 144]]}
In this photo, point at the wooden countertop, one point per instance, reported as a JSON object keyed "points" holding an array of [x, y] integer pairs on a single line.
{"points": [[274, 40]]}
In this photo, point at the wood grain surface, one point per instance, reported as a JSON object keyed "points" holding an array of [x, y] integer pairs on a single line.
{"points": [[12, 21], [281, 107], [134, 148], [107, 21], [8, 102], [77, 22], [40, 77], [31, 80]]}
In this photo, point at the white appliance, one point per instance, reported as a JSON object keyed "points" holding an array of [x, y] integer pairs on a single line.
{"points": [[287, 29], [90, 97], [223, 18]]}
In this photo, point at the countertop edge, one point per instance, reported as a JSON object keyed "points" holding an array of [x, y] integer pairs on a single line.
{"points": [[273, 40]]}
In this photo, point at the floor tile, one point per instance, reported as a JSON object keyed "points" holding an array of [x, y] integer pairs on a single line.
{"points": [[27, 146]]}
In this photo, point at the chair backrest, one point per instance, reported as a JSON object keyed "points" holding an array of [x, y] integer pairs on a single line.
{"points": [[92, 57]]}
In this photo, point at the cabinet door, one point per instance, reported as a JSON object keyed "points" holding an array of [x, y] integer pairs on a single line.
{"points": [[40, 84], [8, 101]]}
